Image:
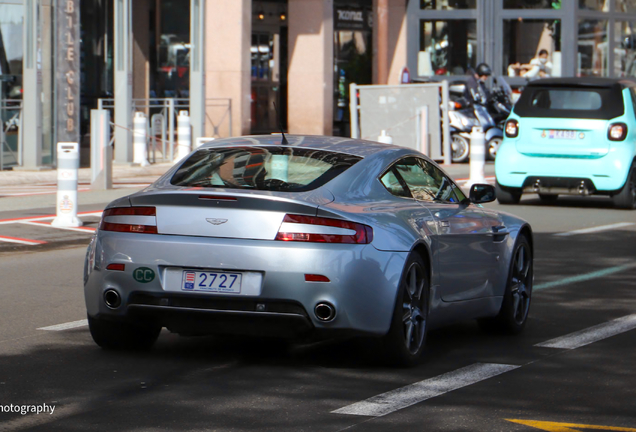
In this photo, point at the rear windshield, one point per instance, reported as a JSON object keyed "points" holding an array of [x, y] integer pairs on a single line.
{"points": [[592, 103], [285, 169]]}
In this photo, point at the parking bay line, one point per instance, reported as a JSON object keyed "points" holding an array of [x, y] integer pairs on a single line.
{"points": [[592, 334], [403, 397], [595, 229], [584, 277], [21, 240], [66, 326]]}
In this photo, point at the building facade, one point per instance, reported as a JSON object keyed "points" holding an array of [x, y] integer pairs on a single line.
{"points": [[251, 66]]}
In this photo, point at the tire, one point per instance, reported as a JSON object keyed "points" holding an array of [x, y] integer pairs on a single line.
{"points": [[626, 198], [492, 147], [114, 335], [548, 198], [460, 148], [404, 343], [513, 315], [507, 195]]}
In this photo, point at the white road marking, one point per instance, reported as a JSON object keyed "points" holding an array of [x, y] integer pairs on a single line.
{"points": [[20, 240], [66, 326], [595, 229], [394, 400], [592, 334], [44, 224]]}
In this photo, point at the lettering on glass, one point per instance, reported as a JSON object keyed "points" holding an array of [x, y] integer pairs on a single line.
{"points": [[67, 81]]}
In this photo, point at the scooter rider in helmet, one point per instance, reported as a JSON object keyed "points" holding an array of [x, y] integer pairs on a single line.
{"points": [[476, 90]]}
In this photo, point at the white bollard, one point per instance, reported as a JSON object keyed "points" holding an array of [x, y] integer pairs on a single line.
{"points": [[477, 156], [67, 167], [184, 141], [140, 146], [384, 138]]}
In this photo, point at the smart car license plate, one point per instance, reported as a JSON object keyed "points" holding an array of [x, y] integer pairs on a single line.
{"points": [[561, 134], [216, 282]]}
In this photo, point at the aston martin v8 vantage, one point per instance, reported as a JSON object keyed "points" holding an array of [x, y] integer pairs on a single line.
{"points": [[305, 237]]}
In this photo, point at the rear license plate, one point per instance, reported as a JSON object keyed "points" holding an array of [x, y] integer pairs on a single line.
{"points": [[561, 134], [216, 282]]}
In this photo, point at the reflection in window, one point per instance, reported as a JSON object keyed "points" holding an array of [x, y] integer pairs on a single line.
{"points": [[173, 52], [625, 6], [592, 48], [595, 5], [447, 47], [447, 4], [11, 17], [532, 4], [624, 49], [532, 48]]}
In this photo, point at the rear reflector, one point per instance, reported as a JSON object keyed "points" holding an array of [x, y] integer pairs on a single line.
{"points": [[116, 267], [316, 278], [140, 220], [323, 230]]}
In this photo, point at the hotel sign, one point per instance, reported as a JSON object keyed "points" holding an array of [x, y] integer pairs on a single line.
{"points": [[67, 70]]}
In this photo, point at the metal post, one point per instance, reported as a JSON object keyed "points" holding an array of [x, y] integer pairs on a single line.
{"points": [[171, 127], [423, 131], [184, 145], [353, 110], [123, 81], [477, 156], [101, 150], [140, 144], [32, 85], [67, 167], [197, 68], [446, 140]]}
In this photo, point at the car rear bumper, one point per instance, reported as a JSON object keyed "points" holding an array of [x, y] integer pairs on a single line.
{"points": [[362, 288], [561, 174]]}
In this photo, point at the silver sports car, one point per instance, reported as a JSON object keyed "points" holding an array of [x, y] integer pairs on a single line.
{"points": [[305, 236]]}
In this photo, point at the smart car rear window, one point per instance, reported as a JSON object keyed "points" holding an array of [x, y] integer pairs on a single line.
{"points": [[286, 169], [571, 102]]}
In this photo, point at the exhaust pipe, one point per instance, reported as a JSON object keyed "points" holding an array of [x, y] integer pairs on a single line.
{"points": [[325, 312], [582, 189], [112, 298]]}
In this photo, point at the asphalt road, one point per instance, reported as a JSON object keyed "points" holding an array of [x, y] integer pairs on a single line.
{"points": [[582, 280]]}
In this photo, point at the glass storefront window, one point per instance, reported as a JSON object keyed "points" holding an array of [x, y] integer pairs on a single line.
{"points": [[595, 5], [447, 4], [173, 55], [592, 48], [625, 6], [11, 17], [532, 4], [532, 48], [624, 49], [447, 47]]}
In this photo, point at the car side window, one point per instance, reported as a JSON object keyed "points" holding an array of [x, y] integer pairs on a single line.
{"points": [[394, 185], [446, 191]]}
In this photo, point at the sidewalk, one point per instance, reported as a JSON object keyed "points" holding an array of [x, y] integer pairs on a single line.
{"points": [[121, 174]]}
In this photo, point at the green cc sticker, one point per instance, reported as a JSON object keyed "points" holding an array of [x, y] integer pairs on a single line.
{"points": [[144, 275]]}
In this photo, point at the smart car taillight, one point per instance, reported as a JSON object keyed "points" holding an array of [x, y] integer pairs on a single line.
{"points": [[323, 230], [141, 220], [512, 128], [617, 132]]}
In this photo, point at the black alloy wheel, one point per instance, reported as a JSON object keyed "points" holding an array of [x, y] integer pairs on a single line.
{"points": [[515, 307], [407, 336]]}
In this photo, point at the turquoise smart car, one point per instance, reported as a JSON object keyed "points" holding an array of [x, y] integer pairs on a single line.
{"points": [[570, 136]]}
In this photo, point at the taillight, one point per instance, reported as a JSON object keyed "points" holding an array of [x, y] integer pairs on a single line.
{"points": [[617, 132], [512, 128], [323, 230], [141, 220]]}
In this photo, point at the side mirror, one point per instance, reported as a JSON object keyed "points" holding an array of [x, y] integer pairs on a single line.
{"points": [[482, 193]]}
